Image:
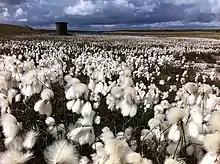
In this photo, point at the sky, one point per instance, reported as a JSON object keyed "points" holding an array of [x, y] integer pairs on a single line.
{"points": [[112, 14]]}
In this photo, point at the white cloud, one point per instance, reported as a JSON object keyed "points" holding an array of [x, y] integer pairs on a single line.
{"points": [[82, 8], [5, 13], [204, 6], [104, 26], [19, 12], [22, 20], [110, 13], [183, 2], [123, 4]]}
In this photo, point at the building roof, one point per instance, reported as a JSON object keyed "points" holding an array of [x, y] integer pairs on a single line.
{"points": [[61, 23]]}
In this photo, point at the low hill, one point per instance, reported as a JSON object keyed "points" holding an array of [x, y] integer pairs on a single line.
{"points": [[8, 29]]}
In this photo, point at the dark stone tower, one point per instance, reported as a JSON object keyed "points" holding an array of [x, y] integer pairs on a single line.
{"points": [[61, 28]]}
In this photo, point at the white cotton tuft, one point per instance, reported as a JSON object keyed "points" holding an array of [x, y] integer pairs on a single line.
{"points": [[199, 100], [38, 105], [67, 77], [70, 80], [127, 82], [18, 98], [146, 161], [133, 157], [5, 75], [116, 148], [87, 121], [133, 110], [12, 156], [86, 109], [88, 138], [170, 160], [107, 134], [120, 136], [4, 84], [84, 160], [211, 102], [193, 129], [70, 104], [77, 107], [174, 133], [99, 148], [47, 94], [8, 119], [197, 115], [209, 158], [97, 120], [82, 135], [30, 139], [55, 130], [125, 108], [175, 114], [159, 108], [4, 105], [113, 160], [191, 87], [61, 152], [128, 132], [99, 88], [191, 99], [15, 143], [3, 96], [153, 123], [8, 140], [97, 145], [43, 107], [70, 94], [10, 127], [161, 82], [92, 85], [96, 105], [205, 88], [212, 142], [128, 109], [50, 121], [201, 137], [10, 131], [79, 90], [11, 94], [215, 120], [27, 90], [117, 91]]}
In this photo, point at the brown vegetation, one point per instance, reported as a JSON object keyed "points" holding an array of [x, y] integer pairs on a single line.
{"points": [[12, 30], [210, 33], [9, 30]]}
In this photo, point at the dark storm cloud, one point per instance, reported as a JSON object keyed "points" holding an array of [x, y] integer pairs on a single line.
{"points": [[113, 13], [12, 2]]}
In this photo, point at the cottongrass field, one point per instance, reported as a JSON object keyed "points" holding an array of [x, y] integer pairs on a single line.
{"points": [[109, 100]]}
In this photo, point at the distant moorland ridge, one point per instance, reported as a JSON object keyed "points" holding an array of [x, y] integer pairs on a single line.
{"points": [[9, 29]]}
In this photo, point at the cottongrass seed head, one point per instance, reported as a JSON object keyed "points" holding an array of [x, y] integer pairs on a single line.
{"points": [[13, 156], [175, 114], [30, 139], [215, 120], [61, 152], [170, 160], [115, 148], [212, 142]]}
